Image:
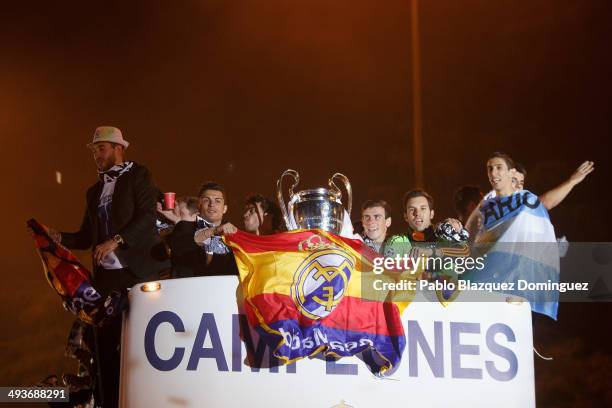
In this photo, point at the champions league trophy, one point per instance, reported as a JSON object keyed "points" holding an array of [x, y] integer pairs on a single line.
{"points": [[315, 208]]}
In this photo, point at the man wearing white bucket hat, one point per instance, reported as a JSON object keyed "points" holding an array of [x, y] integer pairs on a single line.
{"points": [[119, 225]]}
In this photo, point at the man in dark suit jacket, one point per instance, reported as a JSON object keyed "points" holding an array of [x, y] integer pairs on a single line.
{"points": [[119, 224]]}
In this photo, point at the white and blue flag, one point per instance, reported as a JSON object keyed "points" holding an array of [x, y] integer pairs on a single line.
{"points": [[521, 248]]}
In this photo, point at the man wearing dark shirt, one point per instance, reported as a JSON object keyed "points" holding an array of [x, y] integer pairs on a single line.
{"points": [[210, 228], [119, 224], [188, 259]]}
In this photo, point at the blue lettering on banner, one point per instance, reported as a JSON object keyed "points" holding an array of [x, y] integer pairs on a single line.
{"points": [[236, 343], [434, 359], [255, 354], [433, 351], [502, 207], [502, 352], [207, 324], [333, 367], [458, 350], [149, 341]]}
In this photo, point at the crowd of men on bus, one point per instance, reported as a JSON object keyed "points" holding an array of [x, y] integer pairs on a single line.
{"points": [[123, 210], [198, 221]]}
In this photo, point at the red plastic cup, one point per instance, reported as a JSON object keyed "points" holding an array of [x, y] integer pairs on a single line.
{"points": [[169, 201]]}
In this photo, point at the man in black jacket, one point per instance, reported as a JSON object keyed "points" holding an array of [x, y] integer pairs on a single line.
{"points": [[210, 228], [188, 259], [119, 224]]}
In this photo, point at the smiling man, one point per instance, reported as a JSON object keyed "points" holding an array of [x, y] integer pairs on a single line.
{"points": [[512, 227], [376, 219], [220, 260], [501, 172]]}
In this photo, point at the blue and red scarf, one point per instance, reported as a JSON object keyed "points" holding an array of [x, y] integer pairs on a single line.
{"points": [[72, 281]]}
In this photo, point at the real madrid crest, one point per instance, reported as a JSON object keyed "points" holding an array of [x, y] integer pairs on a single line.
{"points": [[320, 282], [314, 243]]}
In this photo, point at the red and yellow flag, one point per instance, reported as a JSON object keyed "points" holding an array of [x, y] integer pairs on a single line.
{"points": [[72, 281], [310, 291]]}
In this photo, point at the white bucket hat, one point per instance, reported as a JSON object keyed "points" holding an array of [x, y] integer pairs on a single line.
{"points": [[108, 134]]}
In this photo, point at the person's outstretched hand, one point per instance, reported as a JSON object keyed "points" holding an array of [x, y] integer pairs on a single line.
{"points": [[226, 229], [169, 214], [581, 172]]}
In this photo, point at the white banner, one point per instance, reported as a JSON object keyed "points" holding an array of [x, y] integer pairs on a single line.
{"points": [[182, 347]]}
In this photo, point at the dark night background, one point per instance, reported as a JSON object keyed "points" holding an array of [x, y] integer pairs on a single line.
{"points": [[239, 91]]}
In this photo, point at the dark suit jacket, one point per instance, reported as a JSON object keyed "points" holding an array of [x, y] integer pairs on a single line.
{"points": [[188, 259], [133, 217]]}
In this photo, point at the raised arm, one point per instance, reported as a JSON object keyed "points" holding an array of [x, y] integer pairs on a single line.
{"points": [[553, 198]]}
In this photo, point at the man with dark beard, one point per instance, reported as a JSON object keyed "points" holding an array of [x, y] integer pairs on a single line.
{"points": [[119, 224]]}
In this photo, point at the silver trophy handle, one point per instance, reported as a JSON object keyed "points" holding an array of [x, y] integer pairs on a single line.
{"points": [[347, 186], [279, 196]]}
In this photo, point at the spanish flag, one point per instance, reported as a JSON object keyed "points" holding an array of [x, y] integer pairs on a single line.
{"points": [[72, 281], [310, 291]]}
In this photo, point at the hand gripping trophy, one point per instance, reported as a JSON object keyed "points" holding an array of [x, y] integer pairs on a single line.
{"points": [[314, 208]]}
